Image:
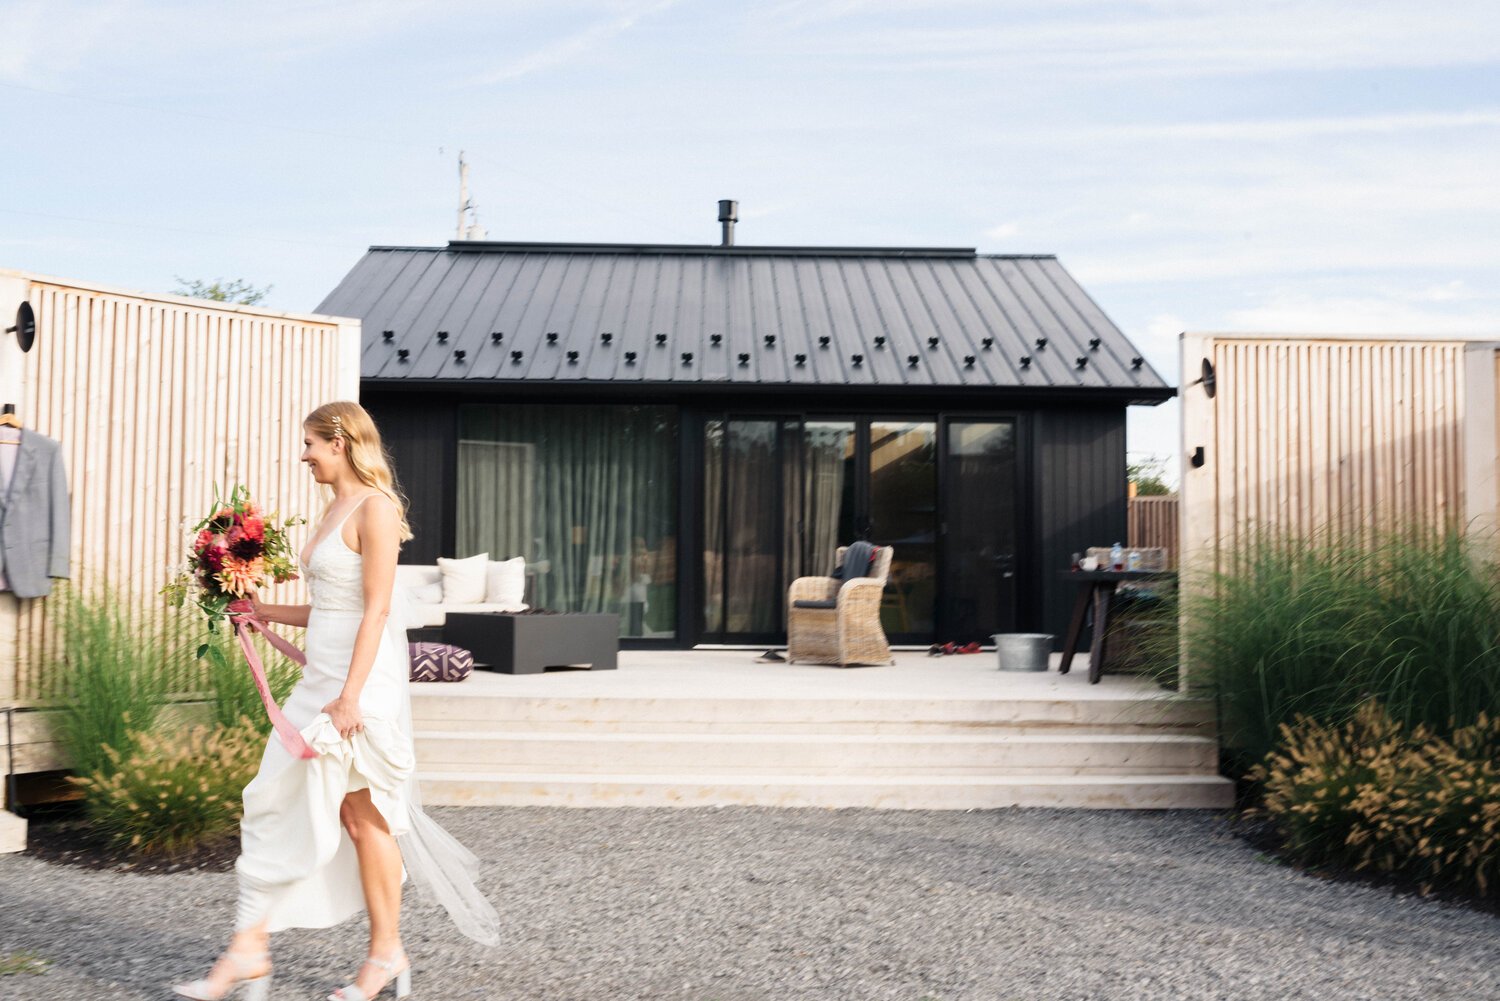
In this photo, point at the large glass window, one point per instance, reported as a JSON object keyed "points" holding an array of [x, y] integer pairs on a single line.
{"points": [[588, 495]]}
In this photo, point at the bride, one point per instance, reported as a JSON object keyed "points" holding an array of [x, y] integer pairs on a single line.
{"points": [[324, 838]]}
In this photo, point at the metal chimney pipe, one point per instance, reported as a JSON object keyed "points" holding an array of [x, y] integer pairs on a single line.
{"points": [[728, 215]]}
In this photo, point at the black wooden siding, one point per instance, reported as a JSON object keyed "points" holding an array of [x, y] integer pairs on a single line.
{"points": [[1077, 491]]}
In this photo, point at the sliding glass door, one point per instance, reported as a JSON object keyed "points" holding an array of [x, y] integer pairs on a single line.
{"points": [[979, 529]]}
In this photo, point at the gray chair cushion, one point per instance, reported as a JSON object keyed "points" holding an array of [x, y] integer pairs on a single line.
{"points": [[815, 603]]}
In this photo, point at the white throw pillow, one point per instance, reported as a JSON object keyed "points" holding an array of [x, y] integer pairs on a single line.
{"points": [[505, 584], [463, 580], [428, 594]]}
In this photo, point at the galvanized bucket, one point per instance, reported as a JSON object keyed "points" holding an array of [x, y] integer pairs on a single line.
{"points": [[1023, 651]]}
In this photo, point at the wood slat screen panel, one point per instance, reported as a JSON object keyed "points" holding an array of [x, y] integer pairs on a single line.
{"points": [[1153, 524], [155, 401], [1307, 435]]}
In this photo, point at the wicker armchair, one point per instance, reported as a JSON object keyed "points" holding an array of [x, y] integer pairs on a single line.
{"points": [[849, 632]]}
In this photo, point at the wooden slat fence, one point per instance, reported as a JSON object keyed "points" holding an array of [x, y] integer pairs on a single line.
{"points": [[1152, 522]]}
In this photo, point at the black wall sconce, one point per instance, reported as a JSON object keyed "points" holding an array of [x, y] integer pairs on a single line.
{"points": [[1208, 379], [1197, 458], [25, 328]]}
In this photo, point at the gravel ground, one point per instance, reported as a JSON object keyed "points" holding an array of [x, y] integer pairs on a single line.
{"points": [[741, 904]]}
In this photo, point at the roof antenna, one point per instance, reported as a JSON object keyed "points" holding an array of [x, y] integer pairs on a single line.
{"points": [[468, 215]]}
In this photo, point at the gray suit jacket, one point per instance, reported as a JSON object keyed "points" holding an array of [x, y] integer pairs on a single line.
{"points": [[34, 520]]}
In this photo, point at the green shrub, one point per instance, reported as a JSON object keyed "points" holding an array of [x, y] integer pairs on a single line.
{"points": [[172, 792], [112, 680], [1317, 628], [1373, 795]]}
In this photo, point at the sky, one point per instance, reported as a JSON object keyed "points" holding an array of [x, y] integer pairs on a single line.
{"points": [[1277, 166]]}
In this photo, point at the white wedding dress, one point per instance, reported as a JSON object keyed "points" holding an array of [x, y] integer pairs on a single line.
{"points": [[297, 866]]}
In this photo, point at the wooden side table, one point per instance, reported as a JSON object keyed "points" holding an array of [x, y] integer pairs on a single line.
{"points": [[1097, 588]]}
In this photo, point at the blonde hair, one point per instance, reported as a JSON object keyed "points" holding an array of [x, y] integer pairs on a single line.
{"points": [[368, 458]]}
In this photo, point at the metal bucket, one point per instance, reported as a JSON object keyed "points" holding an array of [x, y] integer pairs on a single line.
{"points": [[1023, 651]]}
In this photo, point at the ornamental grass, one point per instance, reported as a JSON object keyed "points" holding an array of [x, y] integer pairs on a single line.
{"points": [[173, 792], [1373, 795], [1317, 628]]}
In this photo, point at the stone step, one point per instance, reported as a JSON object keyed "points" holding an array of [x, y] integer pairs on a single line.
{"points": [[517, 714], [891, 755], [928, 792]]}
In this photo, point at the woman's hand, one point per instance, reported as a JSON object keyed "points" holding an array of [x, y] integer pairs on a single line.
{"points": [[346, 717]]}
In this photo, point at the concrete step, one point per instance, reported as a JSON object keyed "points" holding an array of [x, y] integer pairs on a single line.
{"points": [[928, 792], [972, 754], [519, 714]]}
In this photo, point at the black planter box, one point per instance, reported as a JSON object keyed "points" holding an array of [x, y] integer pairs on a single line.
{"points": [[528, 644]]}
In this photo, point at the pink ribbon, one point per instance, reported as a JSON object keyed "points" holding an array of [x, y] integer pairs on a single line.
{"points": [[246, 622]]}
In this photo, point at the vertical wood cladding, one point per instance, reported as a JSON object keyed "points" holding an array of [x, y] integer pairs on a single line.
{"points": [[421, 433], [1080, 497]]}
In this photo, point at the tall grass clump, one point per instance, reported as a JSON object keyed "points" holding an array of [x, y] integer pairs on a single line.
{"points": [[1317, 628], [113, 675], [172, 792], [232, 691]]}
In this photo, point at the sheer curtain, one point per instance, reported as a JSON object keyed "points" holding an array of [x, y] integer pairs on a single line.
{"points": [[587, 494]]}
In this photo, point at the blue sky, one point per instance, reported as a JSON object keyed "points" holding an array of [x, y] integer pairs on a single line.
{"points": [[1328, 166]]}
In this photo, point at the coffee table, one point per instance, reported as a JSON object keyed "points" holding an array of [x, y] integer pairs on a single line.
{"points": [[529, 644]]}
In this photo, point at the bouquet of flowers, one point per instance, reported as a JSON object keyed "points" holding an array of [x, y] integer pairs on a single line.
{"points": [[234, 549]]}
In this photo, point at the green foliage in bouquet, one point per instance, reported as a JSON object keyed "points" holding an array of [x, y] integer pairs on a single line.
{"points": [[235, 549]]}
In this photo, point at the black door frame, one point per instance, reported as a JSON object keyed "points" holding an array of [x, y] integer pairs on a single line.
{"points": [[1025, 597], [692, 428]]}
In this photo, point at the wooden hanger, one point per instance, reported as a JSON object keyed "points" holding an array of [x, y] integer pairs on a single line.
{"points": [[8, 419]]}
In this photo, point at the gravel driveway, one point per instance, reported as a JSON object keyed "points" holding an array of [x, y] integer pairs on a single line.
{"points": [[740, 904]]}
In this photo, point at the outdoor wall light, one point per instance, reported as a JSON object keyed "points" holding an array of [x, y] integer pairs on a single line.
{"points": [[459, 355], [1208, 379], [744, 358], [630, 357], [388, 335], [716, 339], [800, 359], [823, 341], [572, 357], [496, 336], [25, 328], [551, 337], [1041, 343], [1026, 361], [987, 343], [912, 360], [1197, 458], [402, 354], [880, 342], [661, 340], [606, 337], [442, 337], [687, 357], [515, 357]]}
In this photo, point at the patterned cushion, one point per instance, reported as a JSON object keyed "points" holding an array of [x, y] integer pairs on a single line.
{"points": [[439, 662]]}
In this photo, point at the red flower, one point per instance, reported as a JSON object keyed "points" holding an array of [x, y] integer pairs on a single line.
{"points": [[204, 538], [254, 528], [212, 555]]}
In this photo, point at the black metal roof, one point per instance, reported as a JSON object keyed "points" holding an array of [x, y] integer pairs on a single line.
{"points": [[784, 317]]}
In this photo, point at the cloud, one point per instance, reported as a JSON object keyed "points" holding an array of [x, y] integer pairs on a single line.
{"points": [[1374, 314], [1003, 231], [571, 46]]}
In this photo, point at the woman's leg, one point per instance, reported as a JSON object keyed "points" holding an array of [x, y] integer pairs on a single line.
{"points": [[380, 875]]}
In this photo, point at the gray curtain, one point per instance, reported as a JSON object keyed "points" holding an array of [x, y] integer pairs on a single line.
{"points": [[592, 494]]}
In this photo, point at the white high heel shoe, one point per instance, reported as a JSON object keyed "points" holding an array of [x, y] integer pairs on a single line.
{"points": [[255, 988], [401, 978]]}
